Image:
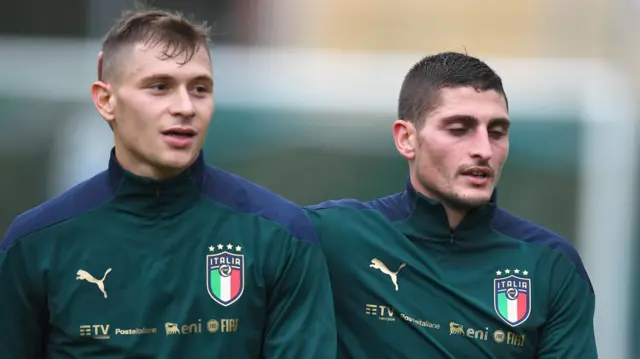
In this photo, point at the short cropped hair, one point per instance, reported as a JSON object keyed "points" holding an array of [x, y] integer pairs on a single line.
{"points": [[179, 36], [420, 89]]}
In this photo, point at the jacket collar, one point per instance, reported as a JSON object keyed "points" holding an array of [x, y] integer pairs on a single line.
{"points": [[428, 219], [147, 196]]}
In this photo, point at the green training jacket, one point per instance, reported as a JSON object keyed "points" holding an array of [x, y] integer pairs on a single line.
{"points": [[204, 265], [406, 286]]}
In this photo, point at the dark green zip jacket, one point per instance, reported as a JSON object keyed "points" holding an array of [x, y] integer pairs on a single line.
{"points": [[406, 286], [204, 265]]}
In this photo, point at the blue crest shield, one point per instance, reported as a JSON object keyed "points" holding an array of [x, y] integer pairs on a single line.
{"points": [[512, 299]]}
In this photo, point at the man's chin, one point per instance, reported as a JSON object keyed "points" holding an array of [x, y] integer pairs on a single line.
{"points": [[178, 160], [467, 201]]}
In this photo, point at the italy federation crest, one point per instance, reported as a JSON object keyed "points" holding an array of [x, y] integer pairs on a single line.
{"points": [[225, 274], [512, 296]]}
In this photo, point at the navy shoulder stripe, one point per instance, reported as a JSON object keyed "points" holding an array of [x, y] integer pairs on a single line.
{"points": [[392, 207], [396, 207], [519, 228], [78, 200], [244, 196], [348, 202]]}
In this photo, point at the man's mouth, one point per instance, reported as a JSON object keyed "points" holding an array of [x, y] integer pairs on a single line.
{"points": [[478, 172], [180, 132]]}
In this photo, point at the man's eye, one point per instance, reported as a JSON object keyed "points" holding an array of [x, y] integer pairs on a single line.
{"points": [[458, 131], [158, 86]]}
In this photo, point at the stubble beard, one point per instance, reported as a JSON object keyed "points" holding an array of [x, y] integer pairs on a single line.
{"points": [[460, 202], [454, 200]]}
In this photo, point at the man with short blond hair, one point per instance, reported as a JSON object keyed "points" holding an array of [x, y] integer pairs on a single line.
{"points": [[162, 256]]}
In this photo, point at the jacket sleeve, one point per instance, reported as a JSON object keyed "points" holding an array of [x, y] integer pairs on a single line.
{"points": [[569, 331], [300, 322], [21, 304]]}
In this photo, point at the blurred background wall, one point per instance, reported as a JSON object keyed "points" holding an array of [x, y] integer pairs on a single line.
{"points": [[306, 94]]}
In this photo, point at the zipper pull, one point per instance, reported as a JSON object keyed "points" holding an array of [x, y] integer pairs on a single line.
{"points": [[158, 192], [451, 238]]}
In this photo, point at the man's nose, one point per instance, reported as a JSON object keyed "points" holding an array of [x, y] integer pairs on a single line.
{"points": [[183, 104], [481, 147]]}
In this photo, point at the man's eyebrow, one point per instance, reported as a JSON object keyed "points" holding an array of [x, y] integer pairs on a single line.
{"points": [[500, 121], [468, 119], [204, 78], [459, 119], [164, 77]]}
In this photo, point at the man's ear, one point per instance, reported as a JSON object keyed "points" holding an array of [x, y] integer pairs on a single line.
{"points": [[101, 93], [405, 138]]}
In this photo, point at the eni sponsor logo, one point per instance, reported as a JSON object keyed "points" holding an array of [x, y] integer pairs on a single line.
{"points": [[498, 336], [230, 325], [389, 314]]}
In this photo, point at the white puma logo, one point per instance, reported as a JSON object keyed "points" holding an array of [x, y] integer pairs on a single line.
{"points": [[84, 275], [377, 264]]}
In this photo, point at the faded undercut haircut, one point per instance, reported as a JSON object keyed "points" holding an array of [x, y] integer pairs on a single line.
{"points": [[420, 89], [179, 37]]}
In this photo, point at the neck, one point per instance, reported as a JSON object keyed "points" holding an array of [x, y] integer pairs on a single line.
{"points": [[454, 216], [139, 167]]}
